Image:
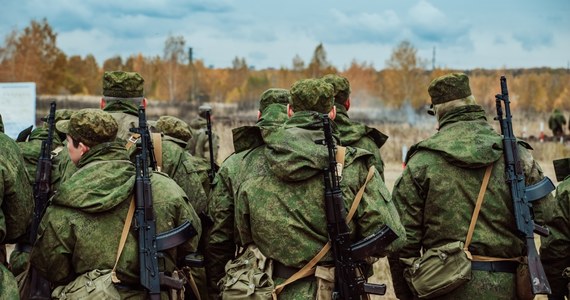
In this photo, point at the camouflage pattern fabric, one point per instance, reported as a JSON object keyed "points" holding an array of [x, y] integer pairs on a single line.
{"points": [[287, 170], [341, 87], [1, 124], [122, 84], [556, 122], [174, 128], [274, 96], [90, 126], [199, 145], [449, 87], [82, 227], [16, 207], [312, 95], [126, 114], [436, 196], [555, 249], [359, 135]]}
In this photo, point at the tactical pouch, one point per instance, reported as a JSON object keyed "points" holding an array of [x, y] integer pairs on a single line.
{"points": [[248, 277], [325, 282], [95, 284], [439, 271]]}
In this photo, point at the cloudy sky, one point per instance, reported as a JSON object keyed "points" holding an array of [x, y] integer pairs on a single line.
{"points": [[465, 34]]}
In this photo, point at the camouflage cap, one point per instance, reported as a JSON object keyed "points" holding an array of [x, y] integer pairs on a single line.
{"points": [[341, 87], [449, 87], [274, 96], [122, 84], [90, 126], [312, 94], [174, 127]]}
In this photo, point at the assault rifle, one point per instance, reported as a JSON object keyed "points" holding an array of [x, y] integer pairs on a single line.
{"points": [[39, 287], [349, 258], [150, 244], [522, 195], [206, 112]]}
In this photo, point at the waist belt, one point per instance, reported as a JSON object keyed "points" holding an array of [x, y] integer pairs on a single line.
{"points": [[282, 271], [495, 266]]}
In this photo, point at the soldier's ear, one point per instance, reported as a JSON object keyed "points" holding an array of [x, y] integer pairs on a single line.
{"points": [[102, 103], [144, 102], [347, 103], [332, 113], [258, 115], [289, 111]]}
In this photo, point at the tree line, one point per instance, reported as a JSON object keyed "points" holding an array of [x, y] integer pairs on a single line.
{"points": [[32, 55]]}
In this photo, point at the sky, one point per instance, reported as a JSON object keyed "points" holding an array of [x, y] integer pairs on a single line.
{"points": [[269, 34]]}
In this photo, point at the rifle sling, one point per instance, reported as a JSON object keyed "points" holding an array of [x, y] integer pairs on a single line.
{"points": [[123, 239], [156, 143], [474, 217], [309, 268]]}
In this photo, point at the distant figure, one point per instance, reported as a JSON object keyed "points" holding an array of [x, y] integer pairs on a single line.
{"points": [[198, 144], [556, 123]]}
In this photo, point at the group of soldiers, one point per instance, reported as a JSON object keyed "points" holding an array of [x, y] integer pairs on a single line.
{"points": [[261, 226]]}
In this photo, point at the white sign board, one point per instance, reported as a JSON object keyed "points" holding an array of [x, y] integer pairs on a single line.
{"points": [[17, 106]]}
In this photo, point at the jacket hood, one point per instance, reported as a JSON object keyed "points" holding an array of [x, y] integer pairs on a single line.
{"points": [[351, 132], [105, 179], [465, 139], [292, 151], [249, 137]]}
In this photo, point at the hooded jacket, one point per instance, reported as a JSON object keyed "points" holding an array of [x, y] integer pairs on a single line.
{"points": [[80, 230], [437, 192], [279, 197]]}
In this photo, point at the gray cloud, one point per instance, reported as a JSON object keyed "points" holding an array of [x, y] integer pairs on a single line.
{"points": [[430, 24]]}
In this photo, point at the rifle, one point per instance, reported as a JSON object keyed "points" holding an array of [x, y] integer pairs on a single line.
{"points": [[349, 259], [150, 244], [206, 112], [39, 287], [521, 195]]}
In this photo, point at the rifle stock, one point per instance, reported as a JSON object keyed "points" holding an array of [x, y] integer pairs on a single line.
{"points": [[521, 195]]}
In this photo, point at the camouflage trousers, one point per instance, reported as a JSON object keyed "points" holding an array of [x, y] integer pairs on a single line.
{"points": [[8, 285]]}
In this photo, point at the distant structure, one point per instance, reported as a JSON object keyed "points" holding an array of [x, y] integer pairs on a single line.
{"points": [[433, 60]]}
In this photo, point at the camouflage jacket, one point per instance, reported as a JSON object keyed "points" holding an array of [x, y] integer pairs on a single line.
{"points": [[199, 145], [16, 207], [278, 200], [221, 206], [555, 249], [126, 115], [81, 229], [556, 121], [358, 135], [437, 191], [31, 152]]}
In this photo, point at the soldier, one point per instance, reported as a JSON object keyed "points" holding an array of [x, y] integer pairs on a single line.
{"points": [[555, 249], [352, 133], [272, 112], [81, 228], [16, 208], [198, 145], [123, 92], [437, 191], [556, 123], [31, 151], [279, 203]]}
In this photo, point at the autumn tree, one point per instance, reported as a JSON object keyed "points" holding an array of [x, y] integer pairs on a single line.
{"points": [[319, 64], [33, 55], [114, 63], [174, 56], [404, 77]]}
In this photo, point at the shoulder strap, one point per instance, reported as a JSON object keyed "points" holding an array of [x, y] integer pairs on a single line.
{"points": [[475, 214], [157, 145], [309, 268], [123, 239]]}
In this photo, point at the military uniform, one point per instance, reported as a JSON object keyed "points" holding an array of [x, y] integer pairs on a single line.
{"points": [[555, 248], [80, 230], [199, 145], [437, 191], [353, 133], [556, 123], [16, 208], [273, 112], [278, 203]]}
